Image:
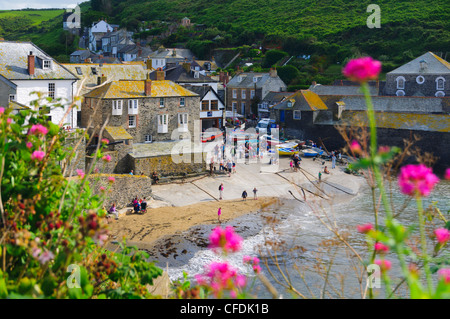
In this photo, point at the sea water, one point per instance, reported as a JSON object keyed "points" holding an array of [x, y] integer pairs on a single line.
{"points": [[310, 250]]}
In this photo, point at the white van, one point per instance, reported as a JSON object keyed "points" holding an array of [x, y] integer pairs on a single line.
{"points": [[263, 126]]}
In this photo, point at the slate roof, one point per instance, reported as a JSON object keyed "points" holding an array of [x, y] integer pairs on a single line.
{"points": [[396, 104], [168, 53], [179, 74], [202, 90], [83, 54], [303, 100], [135, 89], [340, 90], [14, 63], [275, 97], [435, 65], [247, 80]]}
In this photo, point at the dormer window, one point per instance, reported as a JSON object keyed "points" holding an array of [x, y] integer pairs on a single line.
{"points": [[94, 71], [47, 64], [196, 75], [79, 71], [440, 83], [400, 83]]}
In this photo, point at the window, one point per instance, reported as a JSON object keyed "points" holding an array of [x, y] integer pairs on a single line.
{"points": [[234, 94], [131, 121], [400, 82], [182, 122], [79, 71], [181, 101], [400, 93], [12, 97], [243, 108], [234, 106], [289, 104], [117, 107], [420, 79], [162, 123], [255, 79], [51, 90], [47, 64], [440, 94], [132, 106], [297, 115], [205, 105], [148, 139], [214, 105], [440, 83], [196, 75], [243, 93], [161, 102], [94, 71], [252, 94]]}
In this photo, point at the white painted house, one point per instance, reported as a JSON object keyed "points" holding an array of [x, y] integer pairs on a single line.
{"points": [[96, 32], [32, 70]]}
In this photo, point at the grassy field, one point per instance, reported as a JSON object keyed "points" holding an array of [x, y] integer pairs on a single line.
{"points": [[37, 16]]}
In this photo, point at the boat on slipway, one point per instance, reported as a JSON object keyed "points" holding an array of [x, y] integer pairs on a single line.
{"points": [[312, 152]]}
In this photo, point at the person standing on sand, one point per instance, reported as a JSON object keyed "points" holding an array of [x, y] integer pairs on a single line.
{"points": [[333, 161], [255, 197], [219, 212], [221, 190], [244, 195]]}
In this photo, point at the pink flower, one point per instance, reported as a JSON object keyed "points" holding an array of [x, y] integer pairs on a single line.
{"points": [[226, 239], [36, 252], [444, 273], [105, 141], [46, 256], [111, 179], [102, 189], [80, 173], [364, 229], [101, 238], [384, 149], [38, 155], [38, 129], [385, 265], [254, 262], [417, 179], [362, 69], [442, 235], [106, 158], [9, 120], [447, 173], [2, 110], [221, 277], [355, 147], [382, 248], [29, 144]]}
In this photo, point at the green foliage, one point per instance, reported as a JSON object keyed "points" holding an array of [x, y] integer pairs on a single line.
{"points": [[287, 73], [273, 56], [49, 222]]}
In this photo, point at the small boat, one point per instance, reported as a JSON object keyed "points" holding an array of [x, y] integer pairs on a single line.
{"points": [[286, 151], [287, 145], [312, 152]]}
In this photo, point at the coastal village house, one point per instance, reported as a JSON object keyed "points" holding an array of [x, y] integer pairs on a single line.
{"points": [[25, 68], [270, 100], [163, 56], [251, 87], [427, 75]]}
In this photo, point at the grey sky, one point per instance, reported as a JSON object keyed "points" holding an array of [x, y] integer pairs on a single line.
{"points": [[37, 4]]}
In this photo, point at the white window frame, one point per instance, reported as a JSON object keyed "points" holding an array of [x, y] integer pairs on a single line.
{"points": [[243, 93], [46, 64], [161, 102], [400, 93], [133, 106], [182, 101], [252, 94], [163, 123], [234, 94], [148, 139], [117, 106], [12, 97], [420, 79], [398, 79], [132, 121], [234, 106], [299, 115], [440, 94], [52, 90], [440, 80], [183, 120]]}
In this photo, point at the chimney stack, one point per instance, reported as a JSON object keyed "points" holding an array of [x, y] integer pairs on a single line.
{"points": [[273, 72], [31, 63], [148, 86], [187, 67], [160, 74], [314, 83], [101, 79]]}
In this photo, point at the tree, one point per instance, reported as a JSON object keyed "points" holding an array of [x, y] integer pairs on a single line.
{"points": [[272, 57], [287, 73]]}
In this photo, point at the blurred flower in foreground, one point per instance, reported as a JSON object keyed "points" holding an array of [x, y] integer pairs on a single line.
{"points": [[226, 239], [362, 69], [417, 179]]}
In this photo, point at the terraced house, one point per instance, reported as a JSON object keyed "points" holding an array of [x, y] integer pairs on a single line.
{"points": [[149, 111]]}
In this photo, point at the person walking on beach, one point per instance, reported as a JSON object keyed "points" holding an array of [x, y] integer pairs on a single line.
{"points": [[229, 167], [255, 197], [219, 212], [333, 161], [291, 164], [221, 190], [244, 195]]}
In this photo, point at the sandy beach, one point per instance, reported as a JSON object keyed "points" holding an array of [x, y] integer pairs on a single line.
{"points": [[177, 207]]}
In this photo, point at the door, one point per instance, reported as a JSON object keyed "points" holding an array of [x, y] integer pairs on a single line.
{"points": [[281, 115]]}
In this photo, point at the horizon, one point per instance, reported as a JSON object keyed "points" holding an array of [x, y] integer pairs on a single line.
{"points": [[37, 4]]}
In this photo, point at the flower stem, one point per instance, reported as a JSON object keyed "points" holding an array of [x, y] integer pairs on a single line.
{"points": [[424, 243]]}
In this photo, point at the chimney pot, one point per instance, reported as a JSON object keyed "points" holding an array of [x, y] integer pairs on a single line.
{"points": [[148, 86], [160, 74], [314, 83]]}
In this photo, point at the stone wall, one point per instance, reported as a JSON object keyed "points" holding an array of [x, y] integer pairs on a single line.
{"points": [[427, 88], [123, 190], [78, 160], [165, 166]]}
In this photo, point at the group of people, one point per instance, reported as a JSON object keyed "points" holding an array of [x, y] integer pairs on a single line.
{"points": [[139, 205], [295, 162], [155, 177], [244, 193]]}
